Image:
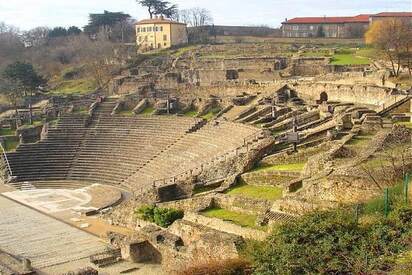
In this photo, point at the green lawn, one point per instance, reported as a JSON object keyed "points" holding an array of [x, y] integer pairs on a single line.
{"points": [[211, 113], [241, 219], [203, 189], [81, 110], [148, 111], [7, 132], [376, 206], [295, 167], [360, 140], [191, 113], [349, 59], [271, 193], [11, 144], [75, 86], [126, 113]]}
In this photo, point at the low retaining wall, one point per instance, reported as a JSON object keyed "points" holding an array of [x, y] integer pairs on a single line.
{"points": [[228, 227], [241, 204]]}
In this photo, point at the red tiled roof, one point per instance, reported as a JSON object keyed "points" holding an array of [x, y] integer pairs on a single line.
{"points": [[393, 14], [158, 21], [361, 18]]}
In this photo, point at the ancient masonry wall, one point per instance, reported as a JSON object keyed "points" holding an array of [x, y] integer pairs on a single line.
{"points": [[228, 227], [367, 95]]}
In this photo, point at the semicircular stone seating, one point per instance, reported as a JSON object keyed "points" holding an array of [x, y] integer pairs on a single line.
{"points": [[120, 150]]}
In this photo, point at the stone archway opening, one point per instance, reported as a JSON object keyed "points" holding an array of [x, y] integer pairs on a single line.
{"points": [[323, 97]]}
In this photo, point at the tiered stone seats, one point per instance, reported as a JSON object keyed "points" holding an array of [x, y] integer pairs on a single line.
{"points": [[118, 146], [51, 158], [193, 150], [107, 150]]}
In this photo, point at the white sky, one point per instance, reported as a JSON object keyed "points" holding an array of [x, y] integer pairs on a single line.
{"points": [[27, 14]]}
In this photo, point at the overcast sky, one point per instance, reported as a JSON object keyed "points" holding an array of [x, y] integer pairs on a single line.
{"points": [[27, 14]]}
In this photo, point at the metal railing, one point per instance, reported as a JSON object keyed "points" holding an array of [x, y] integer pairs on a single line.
{"points": [[393, 100], [10, 172], [198, 170]]}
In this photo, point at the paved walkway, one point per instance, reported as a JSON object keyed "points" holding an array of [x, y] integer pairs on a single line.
{"points": [[42, 239]]}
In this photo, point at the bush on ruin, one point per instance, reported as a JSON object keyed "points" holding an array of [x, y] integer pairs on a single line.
{"points": [[333, 243], [160, 216], [224, 267]]}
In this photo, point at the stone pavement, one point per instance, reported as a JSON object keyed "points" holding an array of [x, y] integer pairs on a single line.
{"points": [[42, 239]]}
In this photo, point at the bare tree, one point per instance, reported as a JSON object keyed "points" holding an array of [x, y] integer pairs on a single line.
{"points": [[11, 46], [394, 38], [12, 90], [196, 17], [36, 37]]}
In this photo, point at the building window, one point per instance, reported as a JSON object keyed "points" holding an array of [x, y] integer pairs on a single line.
{"points": [[161, 29], [149, 29], [165, 44], [156, 29], [295, 28], [311, 28], [143, 29], [138, 29], [165, 37]]}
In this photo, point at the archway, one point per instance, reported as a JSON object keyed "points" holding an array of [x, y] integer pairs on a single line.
{"points": [[323, 97]]}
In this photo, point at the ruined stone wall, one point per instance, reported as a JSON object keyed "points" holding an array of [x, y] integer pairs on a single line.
{"points": [[192, 204], [241, 204], [228, 227], [291, 157], [359, 94]]}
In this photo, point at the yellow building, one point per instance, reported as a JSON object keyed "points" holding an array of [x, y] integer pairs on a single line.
{"points": [[160, 33]]}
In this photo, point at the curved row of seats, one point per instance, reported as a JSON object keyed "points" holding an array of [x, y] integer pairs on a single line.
{"points": [[192, 151], [109, 150], [132, 151]]}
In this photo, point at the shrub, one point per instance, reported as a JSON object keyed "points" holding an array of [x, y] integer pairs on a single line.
{"points": [[332, 242], [160, 216], [223, 267]]}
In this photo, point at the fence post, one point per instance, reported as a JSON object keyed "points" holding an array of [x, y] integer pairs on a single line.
{"points": [[386, 201], [406, 187], [357, 209]]}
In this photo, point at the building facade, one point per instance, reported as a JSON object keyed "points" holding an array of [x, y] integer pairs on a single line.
{"points": [[333, 27], [337, 27], [160, 33], [391, 16]]}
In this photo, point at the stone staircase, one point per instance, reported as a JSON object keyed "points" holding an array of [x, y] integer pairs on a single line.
{"points": [[106, 258]]}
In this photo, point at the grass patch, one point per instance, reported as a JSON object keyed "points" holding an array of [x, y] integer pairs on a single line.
{"points": [[241, 219], [148, 111], [81, 110], [202, 189], [376, 206], [75, 87], [11, 143], [359, 140], [406, 124], [349, 59], [271, 193], [295, 167], [181, 51], [126, 113], [7, 132], [191, 113], [214, 111]]}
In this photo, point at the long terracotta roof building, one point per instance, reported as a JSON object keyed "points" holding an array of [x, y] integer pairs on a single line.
{"points": [[336, 27]]}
